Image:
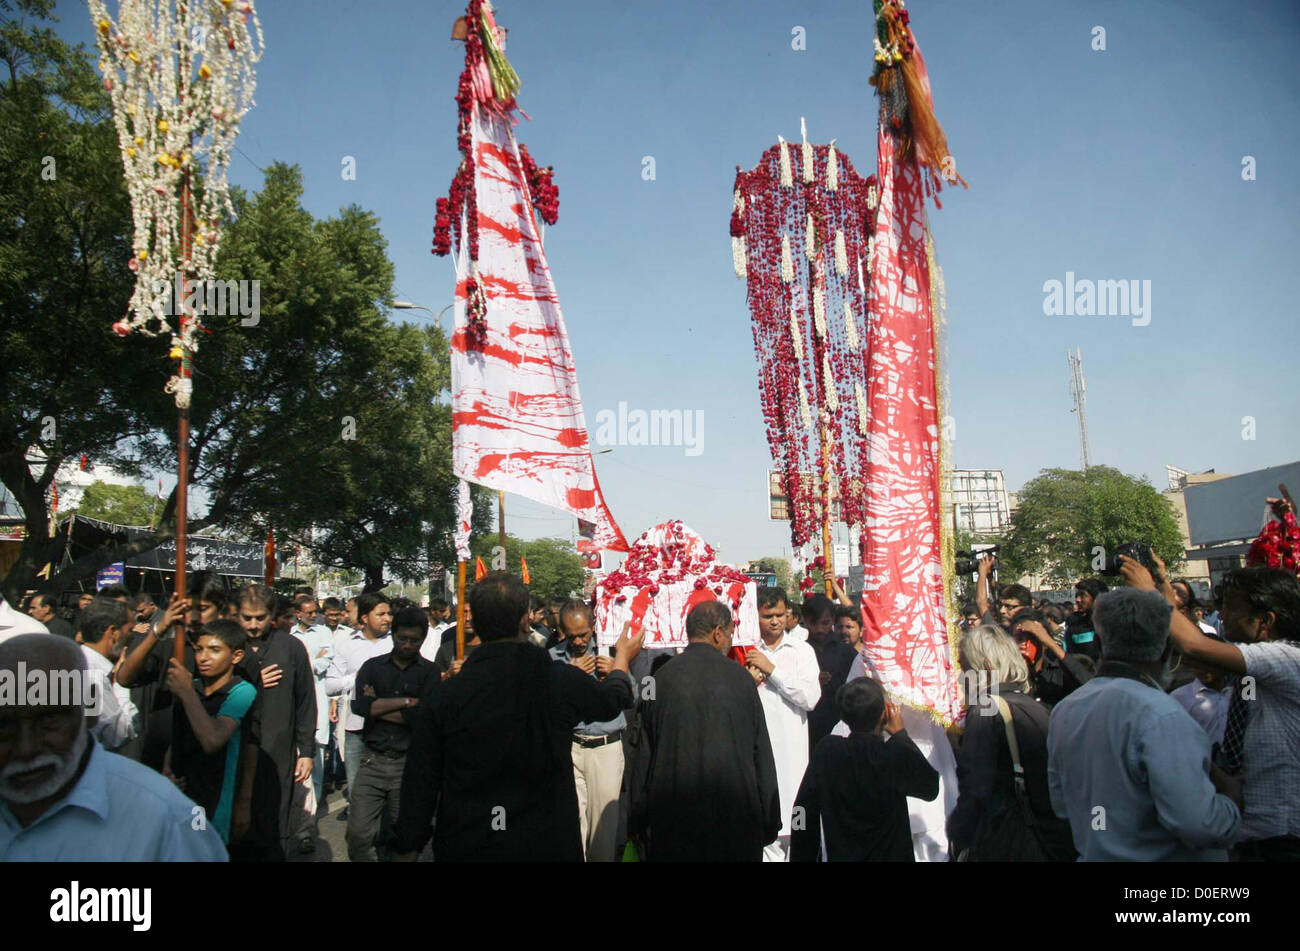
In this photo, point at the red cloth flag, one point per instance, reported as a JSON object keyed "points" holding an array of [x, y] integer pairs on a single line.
{"points": [[904, 621], [480, 569], [523, 562], [518, 421]]}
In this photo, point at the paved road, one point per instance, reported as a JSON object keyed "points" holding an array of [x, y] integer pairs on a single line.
{"points": [[331, 844]]}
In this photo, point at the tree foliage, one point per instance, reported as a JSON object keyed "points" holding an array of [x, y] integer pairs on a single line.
{"points": [[321, 418], [555, 569], [781, 568], [119, 504], [1066, 518]]}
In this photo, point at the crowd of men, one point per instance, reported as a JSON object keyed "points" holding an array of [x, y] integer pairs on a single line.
{"points": [[519, 738]]}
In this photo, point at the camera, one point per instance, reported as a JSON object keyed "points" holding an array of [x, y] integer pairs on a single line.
{"points": [[1137, 551], [968, 561]]}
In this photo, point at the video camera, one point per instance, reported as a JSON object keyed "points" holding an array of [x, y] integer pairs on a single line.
{"points": [[1137, 551], [968, 561]]}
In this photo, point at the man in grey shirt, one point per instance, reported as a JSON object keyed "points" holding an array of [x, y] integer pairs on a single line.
{"points": [[1127, 766]]}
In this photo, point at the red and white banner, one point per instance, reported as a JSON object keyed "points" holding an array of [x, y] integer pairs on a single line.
{"points": [[905, 622], [518, 420]]}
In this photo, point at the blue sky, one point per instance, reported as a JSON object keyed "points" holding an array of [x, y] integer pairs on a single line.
{"points": [[1117, 164]]}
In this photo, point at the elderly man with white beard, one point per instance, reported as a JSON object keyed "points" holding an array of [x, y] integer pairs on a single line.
{"points": [[63, 797]]}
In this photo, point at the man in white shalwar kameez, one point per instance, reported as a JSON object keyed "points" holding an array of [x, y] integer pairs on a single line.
{"points": [[929, 819], [789, 685]]}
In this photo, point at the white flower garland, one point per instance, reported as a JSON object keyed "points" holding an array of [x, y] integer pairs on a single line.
{"points": [[809, 162], [804, 413], [862, 407], [810, 240], [787, 262], [819, 311], [832, 169], [180, 78], [841, 254], [796, 334], [738, 256], [828, 383], [787, 177], [850, 327]]}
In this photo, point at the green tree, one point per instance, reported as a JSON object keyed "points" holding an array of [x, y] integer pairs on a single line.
{"points": [[781, 568], [555, 570], [273, 400], [120, 504], [68, 386], [1067, 518]]}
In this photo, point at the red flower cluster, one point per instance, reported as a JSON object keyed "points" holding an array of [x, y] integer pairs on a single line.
{"points": [[476, 315], [771, 213], [1278, 546], [462, 203], [668, 557], [545, 193]]}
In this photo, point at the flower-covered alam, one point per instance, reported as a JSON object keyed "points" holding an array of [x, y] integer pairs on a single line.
{"points": [[180, 76], [801, 237]]}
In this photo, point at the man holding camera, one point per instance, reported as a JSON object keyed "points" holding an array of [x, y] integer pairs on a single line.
{"points": [[1261, 619], [1011, 598]]}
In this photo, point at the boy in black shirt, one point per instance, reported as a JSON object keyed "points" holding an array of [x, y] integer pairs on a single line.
{"points": [[212, 730], [856, 786]]}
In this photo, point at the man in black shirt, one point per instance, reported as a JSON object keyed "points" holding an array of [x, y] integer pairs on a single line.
{"points": [[856, 786], [282, 670], [1080, 637], [42, 608], [705, 787], [389, 690], [490, 751], [834, 657]]}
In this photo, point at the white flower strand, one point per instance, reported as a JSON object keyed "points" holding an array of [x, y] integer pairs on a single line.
{"points": [[804, 413], [828, 383], [179, 80], [809, 162], [787, 177], [810, 240], [819, 312], [796, 334], [832, 169], [787, 262], [738, 256], [850, 327], [841, 254], [862, 407]]}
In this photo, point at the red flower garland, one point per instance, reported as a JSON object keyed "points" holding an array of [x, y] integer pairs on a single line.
{"points": [[1278, 546], [765, 214], [458, 212]]}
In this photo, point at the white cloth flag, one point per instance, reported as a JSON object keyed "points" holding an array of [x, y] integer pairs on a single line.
{"points": [[518, 420]]}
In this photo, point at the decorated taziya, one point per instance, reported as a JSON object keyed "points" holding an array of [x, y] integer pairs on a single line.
{"points": [[668, 571], [180, 77], [517, 420], [801, 237]]}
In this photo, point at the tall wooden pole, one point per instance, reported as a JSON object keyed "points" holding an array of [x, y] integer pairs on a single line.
{"points": [[460, 610], [815, 283], [183, 422]]}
